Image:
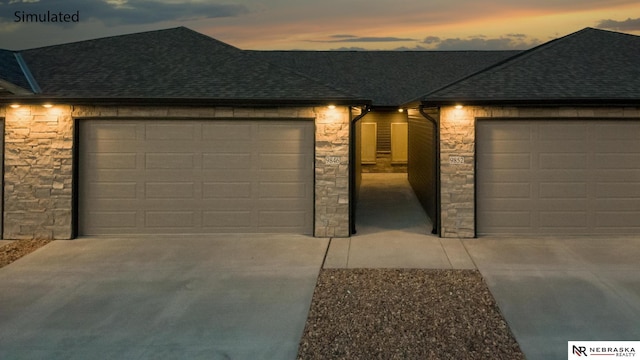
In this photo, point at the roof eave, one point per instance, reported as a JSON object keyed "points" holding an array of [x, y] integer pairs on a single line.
{"points": [[123, 101], [532, 102]]}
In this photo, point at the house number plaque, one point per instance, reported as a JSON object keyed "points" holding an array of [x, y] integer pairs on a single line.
{"points": [[333, 160], [456, 160]]}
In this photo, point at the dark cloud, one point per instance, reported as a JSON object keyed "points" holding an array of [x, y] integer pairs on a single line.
{"points": [[353, 48], [481, 42], [123, 12], [431, 40], [342, 36], [625, 25], [365, 39]]}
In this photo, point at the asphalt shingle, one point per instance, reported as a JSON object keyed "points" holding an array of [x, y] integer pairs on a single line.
{"points": [[176, 63], [388, 78], [587, 65]]}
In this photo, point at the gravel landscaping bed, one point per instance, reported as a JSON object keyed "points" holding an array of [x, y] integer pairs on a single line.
{"points": [[19, 248], [405, 314]]}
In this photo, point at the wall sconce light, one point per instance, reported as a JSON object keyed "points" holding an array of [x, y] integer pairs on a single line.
{"points": [[15, 106], [458, 107], [331, 107], [400, 110], [47, 105]]}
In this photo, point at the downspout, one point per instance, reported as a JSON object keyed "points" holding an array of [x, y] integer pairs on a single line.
{"points": [[436, 127], [352, 167]]}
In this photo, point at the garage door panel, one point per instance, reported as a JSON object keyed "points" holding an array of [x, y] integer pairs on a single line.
{"points": [[562, 161], [507, 161], [561, 131], [170, 219], [170, 190], [226, 131], [618, 190], [169, 132], [515, 190], [584, 177], [227, 219], [195, 176], [510, 219], [113, 190], [617, 220], [221, 190], [112, 131], [112, 220], [563, 190], [282, 190], [281, 161], [281, 219], [617, 161], [617, 132], [113, 161], [226, 161], [169, 161], [562, 219]]}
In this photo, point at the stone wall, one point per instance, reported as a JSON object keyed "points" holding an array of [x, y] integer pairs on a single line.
{"points": [[39, 162], [457, 155], [332, 173], [38, 173]]}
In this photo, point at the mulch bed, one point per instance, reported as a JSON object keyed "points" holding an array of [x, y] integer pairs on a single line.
{"points": [[405, 314], [19, 248]]}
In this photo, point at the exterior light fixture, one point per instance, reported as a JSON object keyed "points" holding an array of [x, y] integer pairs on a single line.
{"points": [[47, 105], [400, 110], [458, 107], [331, 107], [15, 106]]}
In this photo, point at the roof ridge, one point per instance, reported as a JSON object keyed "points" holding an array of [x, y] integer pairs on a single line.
{"points": [[512, 60], [113, 37]]}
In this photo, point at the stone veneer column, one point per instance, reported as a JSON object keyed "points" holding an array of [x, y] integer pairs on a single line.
{"points": [[332, 172], [457, 139], [38, 173]]}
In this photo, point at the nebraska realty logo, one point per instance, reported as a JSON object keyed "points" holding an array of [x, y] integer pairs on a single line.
{"points": [[603, 349]]}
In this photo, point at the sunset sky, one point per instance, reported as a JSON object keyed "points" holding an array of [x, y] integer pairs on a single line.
{"points": [[325, 24]]}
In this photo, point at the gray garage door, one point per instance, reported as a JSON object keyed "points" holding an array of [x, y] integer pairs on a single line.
{"points": [[558, 177], [154, 177]]}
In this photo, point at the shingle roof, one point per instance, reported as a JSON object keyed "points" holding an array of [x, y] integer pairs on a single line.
{"points": [[588, 65], [176, 63], [10, 70], [389, 78]]}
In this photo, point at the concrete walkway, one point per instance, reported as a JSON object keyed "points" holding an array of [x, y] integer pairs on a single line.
{"points": [[214, 297]]}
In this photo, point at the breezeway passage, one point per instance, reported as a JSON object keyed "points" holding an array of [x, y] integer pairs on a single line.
{"points": [[175, 176]]}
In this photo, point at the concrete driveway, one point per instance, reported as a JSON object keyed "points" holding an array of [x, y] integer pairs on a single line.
{"points": [[220, 297], [553, 290]]}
